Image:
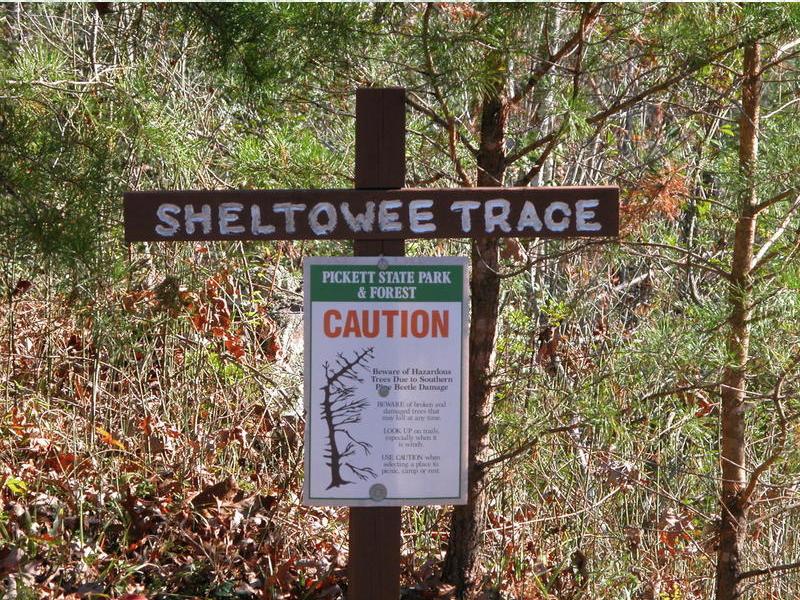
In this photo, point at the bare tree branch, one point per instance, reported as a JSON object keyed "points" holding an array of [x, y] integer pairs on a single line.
{"points": [[522, 448], [452, 136], [690, 67], [761, 255], [769, 570], [436, 118], [778, 450], [590, 14]]}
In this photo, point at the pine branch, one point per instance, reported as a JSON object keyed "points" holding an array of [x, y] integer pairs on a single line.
{"points": [[438, 120], [762, 256], [690, 67], [700, 261], [522, 448], [777, 452], [769, 570], [590, 14], [448, 118], [554, 138]]}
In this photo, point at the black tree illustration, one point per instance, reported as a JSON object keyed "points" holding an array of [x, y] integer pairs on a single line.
{"points": [[339, 409]]}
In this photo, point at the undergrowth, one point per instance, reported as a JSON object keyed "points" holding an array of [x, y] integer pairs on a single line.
{"points": [[151, 442]]}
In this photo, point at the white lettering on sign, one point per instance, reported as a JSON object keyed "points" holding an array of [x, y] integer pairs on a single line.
{"points": [[255, 222], [348, 277], [288, 209], [583, 215], [437, 277], [362, 221], [419, 220], [529, 218], [171, 225], [229, 214], [465, 207], [203, 218], [491, 217], [551, 222], [330, 215], [388, 220]]}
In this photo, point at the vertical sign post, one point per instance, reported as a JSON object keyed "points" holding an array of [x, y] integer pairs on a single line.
{"points": [[374, 532]]}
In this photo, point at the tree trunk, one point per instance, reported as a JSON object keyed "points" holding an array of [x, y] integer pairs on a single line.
{"points": [[467, 523], [734, 381]]}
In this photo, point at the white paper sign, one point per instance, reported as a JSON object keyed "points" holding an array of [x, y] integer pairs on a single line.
{"points": [[385, 381]]}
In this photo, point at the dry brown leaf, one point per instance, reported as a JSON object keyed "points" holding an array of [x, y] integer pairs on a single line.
{"points": [[224, 491]]}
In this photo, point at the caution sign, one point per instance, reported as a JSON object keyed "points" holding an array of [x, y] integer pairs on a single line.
{"points": [[385, 381]]}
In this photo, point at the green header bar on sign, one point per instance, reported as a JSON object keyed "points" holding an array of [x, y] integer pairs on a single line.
{"points": [[398, 283]]}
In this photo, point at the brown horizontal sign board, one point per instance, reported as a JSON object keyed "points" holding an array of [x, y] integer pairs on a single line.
{"points": [[551, 212]]}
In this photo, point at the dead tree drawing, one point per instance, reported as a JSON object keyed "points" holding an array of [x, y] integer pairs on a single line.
{"points": [[340, 408]]}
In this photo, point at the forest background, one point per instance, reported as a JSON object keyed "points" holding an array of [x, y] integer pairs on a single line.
{"points": [[634, 404]]}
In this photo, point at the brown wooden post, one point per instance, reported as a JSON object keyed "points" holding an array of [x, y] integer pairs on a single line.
{"points": [[374, 565]]}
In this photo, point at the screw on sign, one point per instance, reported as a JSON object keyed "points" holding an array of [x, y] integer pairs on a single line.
{"points": [[378, 216]]}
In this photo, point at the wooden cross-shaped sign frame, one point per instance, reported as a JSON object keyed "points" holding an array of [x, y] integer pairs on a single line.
{"points": [[378, 216]]}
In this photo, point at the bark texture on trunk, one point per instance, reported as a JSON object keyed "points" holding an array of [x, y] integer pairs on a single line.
{"points": [[467, 522], [734, 380]]}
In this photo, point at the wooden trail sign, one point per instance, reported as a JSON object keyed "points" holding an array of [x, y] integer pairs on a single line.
{"points": [[371, 214], [378, 216]]}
